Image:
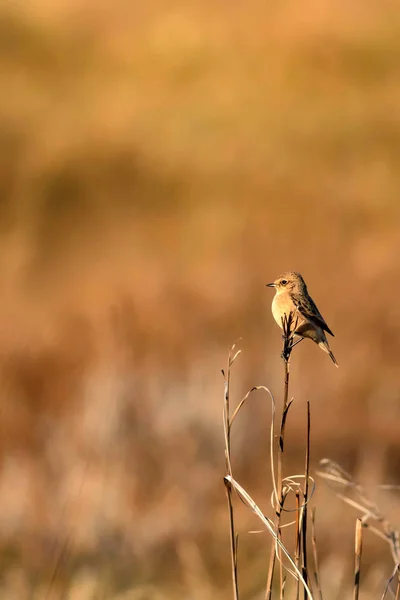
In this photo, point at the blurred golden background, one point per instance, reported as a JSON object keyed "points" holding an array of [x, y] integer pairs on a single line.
{"points": [[160, 163]]}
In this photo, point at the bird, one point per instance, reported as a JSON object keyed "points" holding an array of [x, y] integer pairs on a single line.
{"points": [[292, 297]]}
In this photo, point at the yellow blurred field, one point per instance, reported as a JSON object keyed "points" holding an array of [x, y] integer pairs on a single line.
{"points": [[160, 163]]}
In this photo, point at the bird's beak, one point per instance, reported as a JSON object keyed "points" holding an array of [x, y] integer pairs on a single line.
{"points": [[270, 285]]}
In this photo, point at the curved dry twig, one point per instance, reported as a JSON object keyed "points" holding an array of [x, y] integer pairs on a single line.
{"points": [[272, 428]]}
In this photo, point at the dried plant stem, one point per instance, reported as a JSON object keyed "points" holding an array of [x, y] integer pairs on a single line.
{"points": [[396, 573], [282, 579], [287, 347], [297, 540], [282, 486], [278, 514], [228, 488], [282, 594], [358, 551], [315, 555], [305, 501], [279, 502], [233, 540]]}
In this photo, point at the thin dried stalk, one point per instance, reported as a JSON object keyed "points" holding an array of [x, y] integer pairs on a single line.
{"points": [[282, 579], [297, 540], [358, 551], [305, 508], [233, 541], [315, 555], [395, 573], [282, 594], [61, 557], [278, 507], [227, 434], [289, 324]]}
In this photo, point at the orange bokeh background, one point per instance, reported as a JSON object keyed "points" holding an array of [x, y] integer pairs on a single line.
{"points": [[159, 164]]}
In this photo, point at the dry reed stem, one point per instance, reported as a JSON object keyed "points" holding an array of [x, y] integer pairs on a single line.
{"points": [[282, 579], [227, 435], [315, 555], [305, 507], [358, 551], [278, 506], [288, 326], [297, 540], [233, 541]]}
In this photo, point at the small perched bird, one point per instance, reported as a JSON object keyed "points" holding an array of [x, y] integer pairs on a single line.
{"points": [[292, 296]]}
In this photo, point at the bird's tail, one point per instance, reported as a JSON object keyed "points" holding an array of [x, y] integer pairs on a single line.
{"points": [[325, 347]]}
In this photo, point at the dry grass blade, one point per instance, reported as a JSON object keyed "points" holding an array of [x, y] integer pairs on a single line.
{"points": [[272, 428], [334, 474], [283, 426], [253, 389], [391, 578], [358, 551], [282, 594], [248, 500], [234, 357]]}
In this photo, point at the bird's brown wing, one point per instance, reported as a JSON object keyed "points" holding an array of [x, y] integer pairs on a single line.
{"points": [[309, 310]]}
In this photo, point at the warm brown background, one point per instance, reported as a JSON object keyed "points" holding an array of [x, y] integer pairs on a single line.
{"points": [[161, 162]]}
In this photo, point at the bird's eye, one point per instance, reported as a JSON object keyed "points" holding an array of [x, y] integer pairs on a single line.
{"points": [[283, 282]]}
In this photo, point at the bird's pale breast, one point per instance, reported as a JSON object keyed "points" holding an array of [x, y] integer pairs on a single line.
{"points": [[282, 304]]}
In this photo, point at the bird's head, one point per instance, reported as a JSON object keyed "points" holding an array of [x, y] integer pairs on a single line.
{"points": [[288, 282]]}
